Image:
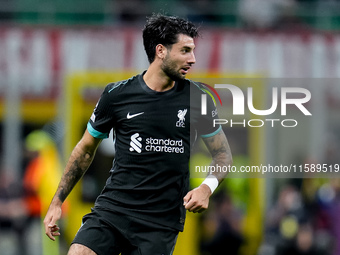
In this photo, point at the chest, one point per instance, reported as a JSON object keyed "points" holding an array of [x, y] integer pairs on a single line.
{"points": [[166, 116]]}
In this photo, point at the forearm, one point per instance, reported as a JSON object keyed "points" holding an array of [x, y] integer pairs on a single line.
{"points": [[220, 163], [197, 200], [76, 167], [221, 155]]}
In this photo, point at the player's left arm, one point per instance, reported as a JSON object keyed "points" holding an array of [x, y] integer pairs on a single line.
{"points": [[197, 200]]}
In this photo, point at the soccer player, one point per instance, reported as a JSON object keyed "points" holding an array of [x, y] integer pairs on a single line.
{"points": [[156, 116]]}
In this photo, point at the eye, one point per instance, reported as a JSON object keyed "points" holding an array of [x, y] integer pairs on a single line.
{"points": [[185, 50]]}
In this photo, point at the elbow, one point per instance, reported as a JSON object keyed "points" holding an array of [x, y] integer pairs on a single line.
{"points": [[229, 159]]}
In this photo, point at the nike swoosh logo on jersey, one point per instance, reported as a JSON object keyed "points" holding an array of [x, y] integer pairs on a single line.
{"points": [[128, 116]]}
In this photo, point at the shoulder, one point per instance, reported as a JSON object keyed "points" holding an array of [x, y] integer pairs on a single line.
{"points": [[116, 87], [199, 86]]}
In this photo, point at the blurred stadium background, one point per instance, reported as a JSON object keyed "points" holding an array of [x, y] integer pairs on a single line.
{"points": [[56, 56]]}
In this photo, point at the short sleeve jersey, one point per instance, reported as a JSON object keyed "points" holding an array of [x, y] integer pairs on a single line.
{"points": [[153, 135]]}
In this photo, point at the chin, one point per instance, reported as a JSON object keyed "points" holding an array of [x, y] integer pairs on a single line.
{"points": [[174, 75], [178, 77], [182, 76]]}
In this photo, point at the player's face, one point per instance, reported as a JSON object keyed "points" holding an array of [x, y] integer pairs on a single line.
{"points": [[179, 58]]}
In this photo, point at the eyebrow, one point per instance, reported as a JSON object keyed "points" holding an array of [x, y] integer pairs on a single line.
{"points": [[188, 48]]}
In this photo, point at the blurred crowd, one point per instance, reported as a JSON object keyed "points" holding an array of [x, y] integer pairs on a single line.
{"points": [[24, 199], [250, 14], [304, 220], [19, 214]]}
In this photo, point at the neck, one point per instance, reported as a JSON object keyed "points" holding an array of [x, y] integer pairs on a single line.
{"points": [[157, 80]]}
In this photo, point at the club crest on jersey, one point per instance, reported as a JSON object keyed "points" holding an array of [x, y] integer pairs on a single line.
{"points": [[181, 118]]}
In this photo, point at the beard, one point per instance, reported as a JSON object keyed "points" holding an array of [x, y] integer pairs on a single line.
{"points": [[169, 67]]}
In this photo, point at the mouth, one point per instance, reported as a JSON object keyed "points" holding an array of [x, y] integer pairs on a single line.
{"points": [[185, 70]]}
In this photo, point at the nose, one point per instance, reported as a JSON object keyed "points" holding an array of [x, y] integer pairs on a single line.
{"points": [[192, 59]]}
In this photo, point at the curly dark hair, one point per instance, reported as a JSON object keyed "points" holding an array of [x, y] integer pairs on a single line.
{"points": [[161, 29]]}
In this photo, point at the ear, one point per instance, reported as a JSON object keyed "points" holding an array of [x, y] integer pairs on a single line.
{"points": [[161, 51]]}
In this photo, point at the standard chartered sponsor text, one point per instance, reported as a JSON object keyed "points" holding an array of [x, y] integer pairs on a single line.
{"points": [[164, 145]]}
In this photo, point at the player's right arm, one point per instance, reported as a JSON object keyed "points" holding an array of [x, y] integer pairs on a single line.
{"points": [[79, 161]]}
